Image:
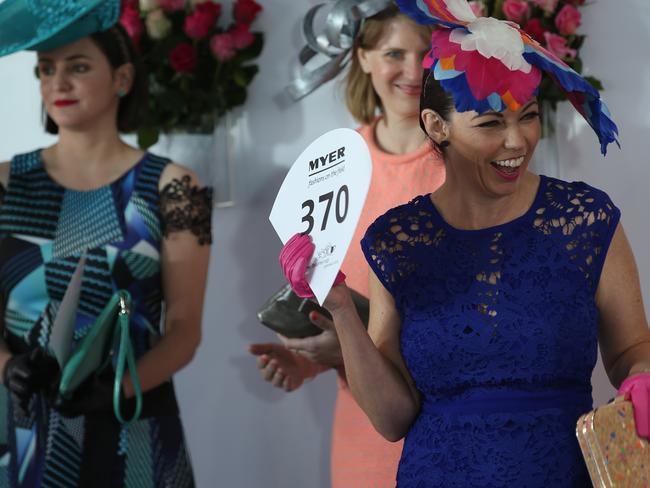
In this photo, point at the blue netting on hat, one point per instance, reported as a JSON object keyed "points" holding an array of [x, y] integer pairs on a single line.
{"points": [[47, 24]]}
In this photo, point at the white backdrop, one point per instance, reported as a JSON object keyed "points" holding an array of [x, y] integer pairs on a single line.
{"points": [[243, 433]]}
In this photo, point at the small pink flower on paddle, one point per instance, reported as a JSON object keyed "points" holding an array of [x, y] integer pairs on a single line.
{"points": [[222, 46], [516, 10], [568, 20], [557, 45]]}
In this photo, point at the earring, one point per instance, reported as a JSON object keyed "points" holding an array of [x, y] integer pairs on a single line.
{"points": [[121, 93], [444, 144]]}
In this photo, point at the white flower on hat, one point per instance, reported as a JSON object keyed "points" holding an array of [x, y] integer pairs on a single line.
{"points": [[158, 25], [493, 39], [461, 10]]}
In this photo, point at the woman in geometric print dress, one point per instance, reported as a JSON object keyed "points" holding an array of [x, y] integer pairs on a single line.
{"points": [[144, 225]]}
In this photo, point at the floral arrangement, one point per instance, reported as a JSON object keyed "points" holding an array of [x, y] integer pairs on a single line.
{"points": [[197, 69], [552, 23]]}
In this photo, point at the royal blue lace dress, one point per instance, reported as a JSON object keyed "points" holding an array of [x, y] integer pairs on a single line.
{"points": [[499, 332]]}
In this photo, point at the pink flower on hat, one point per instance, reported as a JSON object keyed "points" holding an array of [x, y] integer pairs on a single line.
{"points": [[557, 45], [478, 7], [568, 20], [516, 10]]}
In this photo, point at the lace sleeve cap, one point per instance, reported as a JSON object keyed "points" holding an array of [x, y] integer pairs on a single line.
{"points": [[377, 245], [184, 206]]}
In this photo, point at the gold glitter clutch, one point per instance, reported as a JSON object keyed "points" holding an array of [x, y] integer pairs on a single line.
{"points": [[615, 455]]}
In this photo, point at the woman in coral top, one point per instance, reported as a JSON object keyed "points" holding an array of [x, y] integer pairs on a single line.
{"points": [[385, 76]]}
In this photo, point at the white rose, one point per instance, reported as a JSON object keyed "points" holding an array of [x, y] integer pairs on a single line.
{"points": [[158, 25], [148, 5]]}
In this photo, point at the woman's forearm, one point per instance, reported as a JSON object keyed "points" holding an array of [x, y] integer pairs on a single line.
{"points": [[377, 385], [174, 350], [634, 360]]}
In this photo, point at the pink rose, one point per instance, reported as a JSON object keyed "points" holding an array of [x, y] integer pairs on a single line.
{"points": [[130, 20], [183, 58], [245, 11], [199, 24], [535, 29], [547, 6], [209, 8], [222, 46], [557, 45], [516, 10], [172, 5], [478, 7], [241, 36], [568, 20]]}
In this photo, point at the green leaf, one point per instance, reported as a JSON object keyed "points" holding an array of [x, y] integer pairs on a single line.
{"points": [[595, 82], [147, 136]]}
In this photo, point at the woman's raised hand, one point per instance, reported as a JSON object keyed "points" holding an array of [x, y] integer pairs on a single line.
{"points": [[294, 259]]}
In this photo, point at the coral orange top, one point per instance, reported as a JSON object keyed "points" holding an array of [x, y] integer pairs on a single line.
{"points": [[361, 458]]}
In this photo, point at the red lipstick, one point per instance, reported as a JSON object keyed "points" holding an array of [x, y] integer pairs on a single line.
{"points": [[64, 103]]}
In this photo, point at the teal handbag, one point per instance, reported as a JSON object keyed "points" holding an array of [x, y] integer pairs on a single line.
{"points": [[109, 333]]}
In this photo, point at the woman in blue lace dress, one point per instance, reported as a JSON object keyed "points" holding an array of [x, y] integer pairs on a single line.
{"points": [[489, 297], [143, 225]]}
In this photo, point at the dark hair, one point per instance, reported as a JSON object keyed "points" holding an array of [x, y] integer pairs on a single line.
{"points": [[116, 45], [434, 97], [360, 96]]}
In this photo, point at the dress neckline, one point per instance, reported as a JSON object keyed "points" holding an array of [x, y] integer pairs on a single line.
{"points": [[533, 206], [392, 158], [109, 184]]}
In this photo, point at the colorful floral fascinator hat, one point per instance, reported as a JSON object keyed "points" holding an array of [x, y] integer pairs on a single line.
{"points": [[43, 25], [490, 64]]}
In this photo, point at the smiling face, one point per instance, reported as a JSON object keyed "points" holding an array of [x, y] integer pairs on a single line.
{"points": [[78, 85], [488, 153], [395, 66]]}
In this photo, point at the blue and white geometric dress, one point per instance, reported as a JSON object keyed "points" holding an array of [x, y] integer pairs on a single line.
{"points": [[44, 230]]}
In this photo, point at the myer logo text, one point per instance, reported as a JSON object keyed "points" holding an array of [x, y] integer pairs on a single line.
{"points": [[327, 161]]}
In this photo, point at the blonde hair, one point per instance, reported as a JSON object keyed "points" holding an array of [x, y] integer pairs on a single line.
{"points": [[360, 96]]}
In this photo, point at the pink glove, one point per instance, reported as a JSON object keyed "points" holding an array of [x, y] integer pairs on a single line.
{"points": [[294, 259], [637, 389]]}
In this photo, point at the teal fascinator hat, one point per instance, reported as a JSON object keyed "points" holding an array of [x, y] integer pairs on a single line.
{"points": [[43, 25]]}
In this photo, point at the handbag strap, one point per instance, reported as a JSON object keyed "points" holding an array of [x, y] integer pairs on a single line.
{"points": [[126, 358]]}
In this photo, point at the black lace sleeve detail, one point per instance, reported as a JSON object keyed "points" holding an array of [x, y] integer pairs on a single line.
{"points": [[186, 207]]}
